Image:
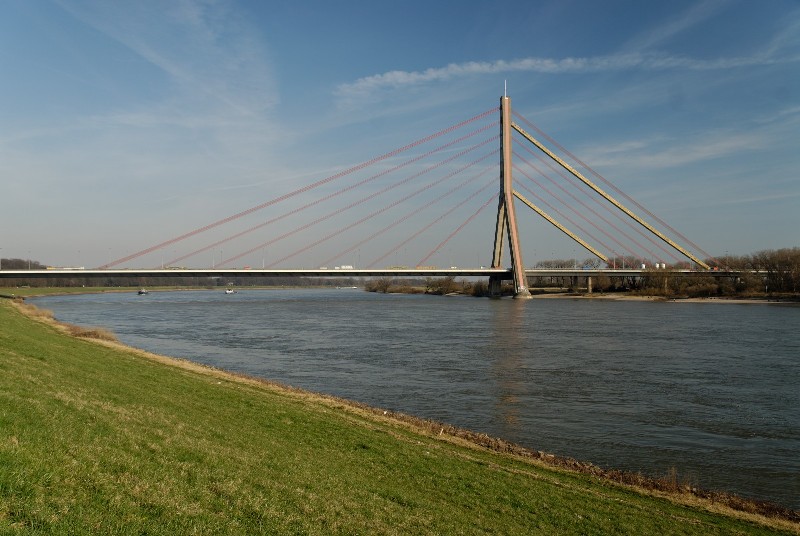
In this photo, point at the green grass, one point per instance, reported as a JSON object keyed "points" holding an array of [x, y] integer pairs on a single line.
{"points": [[95, 439]]}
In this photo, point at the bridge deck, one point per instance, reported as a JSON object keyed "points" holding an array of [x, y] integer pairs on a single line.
{"points": [[390, 272]]}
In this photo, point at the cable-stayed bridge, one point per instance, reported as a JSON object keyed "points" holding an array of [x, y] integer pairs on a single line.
{"points": [[403, 212]]}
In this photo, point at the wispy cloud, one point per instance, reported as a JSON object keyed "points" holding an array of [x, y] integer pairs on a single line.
{"points": [[697, 13], [209, 115], [202, 48], [789, 37], [367, 86], [781, 196], [663, 153]]}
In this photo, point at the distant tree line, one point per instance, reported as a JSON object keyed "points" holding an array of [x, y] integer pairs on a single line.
{"points": [[766, 272], [439, 286], [779, 269], [20, 264], [175, 281]]}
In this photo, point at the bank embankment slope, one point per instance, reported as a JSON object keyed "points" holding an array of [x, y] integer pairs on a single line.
{"points": [[98, 438]]}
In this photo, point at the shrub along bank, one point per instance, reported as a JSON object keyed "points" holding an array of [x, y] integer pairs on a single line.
{"points": [[97, 438]]}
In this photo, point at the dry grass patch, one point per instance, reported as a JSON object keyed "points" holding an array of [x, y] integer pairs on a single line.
{"points": [[31, 311], [101, 334], [47, 316]]}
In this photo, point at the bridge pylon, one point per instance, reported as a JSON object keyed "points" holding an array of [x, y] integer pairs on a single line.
{"points": [[506, 215]]}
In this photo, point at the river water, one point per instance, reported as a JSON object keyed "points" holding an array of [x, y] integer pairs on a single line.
{"points": [[709, 389]]}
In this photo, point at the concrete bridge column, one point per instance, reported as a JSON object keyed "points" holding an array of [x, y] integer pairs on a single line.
{"points": [[506, 215], [495, 286]]}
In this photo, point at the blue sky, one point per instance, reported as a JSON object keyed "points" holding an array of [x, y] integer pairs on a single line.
{"points": [[123, 124]]}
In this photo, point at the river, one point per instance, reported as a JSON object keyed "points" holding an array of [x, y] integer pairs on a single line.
{"points": [[707, 389]]}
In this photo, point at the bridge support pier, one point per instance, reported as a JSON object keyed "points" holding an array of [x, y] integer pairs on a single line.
{"points": [[506, 216], [495, 286]]}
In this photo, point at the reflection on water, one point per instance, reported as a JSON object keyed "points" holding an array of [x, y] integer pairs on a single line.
{"points": [[507, 325], [708, 389]]}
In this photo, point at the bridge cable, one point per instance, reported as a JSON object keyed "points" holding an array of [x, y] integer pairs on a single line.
{"points": [[332, 195], [613, 187], [381, 211], [408, 215], [564, 216], [588, 193], [570, 220], [300, 190], [591, 210], [364, 199], [691, 256], [431, 224], [540, 185], [458, 229]]}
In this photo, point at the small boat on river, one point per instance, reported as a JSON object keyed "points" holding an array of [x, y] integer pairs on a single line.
{"points": [[142, 291]]}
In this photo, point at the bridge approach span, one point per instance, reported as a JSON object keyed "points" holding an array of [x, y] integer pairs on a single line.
{"points": [[501, 273]]}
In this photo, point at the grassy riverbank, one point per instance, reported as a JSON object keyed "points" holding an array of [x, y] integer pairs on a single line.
{"points": [[97, 438]]}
